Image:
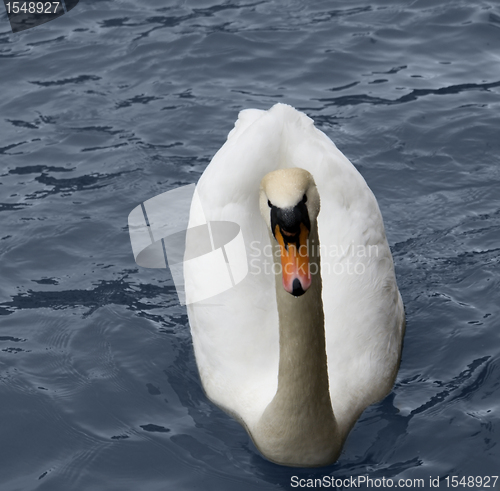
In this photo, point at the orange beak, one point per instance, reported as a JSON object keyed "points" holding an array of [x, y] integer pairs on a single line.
{"points": [[296, 273]]}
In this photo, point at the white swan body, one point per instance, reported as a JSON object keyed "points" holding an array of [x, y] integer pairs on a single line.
{"points": [[238, 334]]}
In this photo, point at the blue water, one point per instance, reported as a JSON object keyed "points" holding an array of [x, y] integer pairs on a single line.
{"points": [[116, 102]]}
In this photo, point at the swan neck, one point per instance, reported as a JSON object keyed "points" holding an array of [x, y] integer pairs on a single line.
{"points": [[298, 425], [303, 372], [302, 361]]}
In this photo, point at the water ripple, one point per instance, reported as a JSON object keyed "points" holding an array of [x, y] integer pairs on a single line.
{"points": [[352, 100], [117, 102]]}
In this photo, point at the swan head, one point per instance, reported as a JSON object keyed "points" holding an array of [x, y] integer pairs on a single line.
{"points": [[289, 203]]}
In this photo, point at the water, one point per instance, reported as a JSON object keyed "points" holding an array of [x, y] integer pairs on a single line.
{"points": [[119, 101]]}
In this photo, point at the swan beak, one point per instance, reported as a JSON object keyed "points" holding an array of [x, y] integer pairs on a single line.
{"points": [[296, 273]]}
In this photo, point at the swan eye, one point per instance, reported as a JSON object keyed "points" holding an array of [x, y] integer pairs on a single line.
{"points": [[269, 204], [304, 199]]}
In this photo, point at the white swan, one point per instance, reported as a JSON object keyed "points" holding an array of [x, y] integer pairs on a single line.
{"points": [[297, 358]]}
